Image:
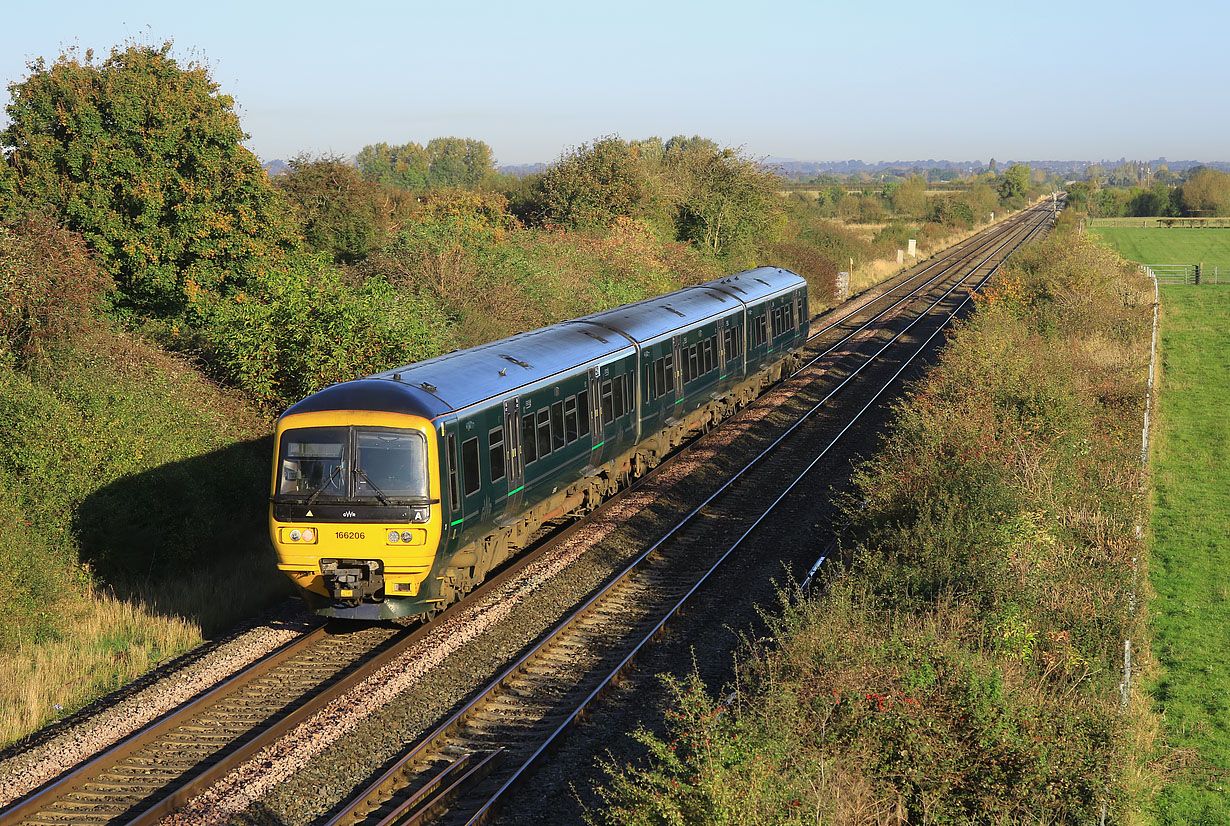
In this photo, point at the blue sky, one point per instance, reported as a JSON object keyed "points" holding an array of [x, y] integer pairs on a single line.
{"points": [[805, 80]]}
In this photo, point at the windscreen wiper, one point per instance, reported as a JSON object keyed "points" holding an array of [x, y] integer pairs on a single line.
{"points": [[384, 500], [323, 485]]}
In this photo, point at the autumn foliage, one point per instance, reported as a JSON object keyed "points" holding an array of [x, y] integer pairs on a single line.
{"points": [[144, 158]]}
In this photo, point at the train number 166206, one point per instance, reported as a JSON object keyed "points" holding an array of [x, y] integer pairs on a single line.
{"points": [[350, 535]]}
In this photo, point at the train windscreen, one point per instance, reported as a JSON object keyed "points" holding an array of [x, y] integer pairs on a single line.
{"points": [[312, 462], [392, 463]]}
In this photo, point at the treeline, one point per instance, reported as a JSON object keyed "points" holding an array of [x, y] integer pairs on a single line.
{"points": [[332, 269], [1204, 194]]}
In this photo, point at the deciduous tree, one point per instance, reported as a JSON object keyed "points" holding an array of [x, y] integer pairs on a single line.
{"points": [[1206, 193], [339, 212], [592, 185], [144, 158], [725, 201]]}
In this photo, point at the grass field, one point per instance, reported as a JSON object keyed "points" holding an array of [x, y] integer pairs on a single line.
{"points": [[1191, 550], [1170, 246]]}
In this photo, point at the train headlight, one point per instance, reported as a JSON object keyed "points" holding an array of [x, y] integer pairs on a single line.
{"points": [[394, 537], [406, 536], [298, 536]]}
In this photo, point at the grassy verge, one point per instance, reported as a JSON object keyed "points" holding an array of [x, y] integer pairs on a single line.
{"points": [[1170, 246], [963, 667], [124, 474], [1190, 524]]}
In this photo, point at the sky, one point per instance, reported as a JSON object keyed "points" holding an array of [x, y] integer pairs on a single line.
{"points": [[855, 79]]}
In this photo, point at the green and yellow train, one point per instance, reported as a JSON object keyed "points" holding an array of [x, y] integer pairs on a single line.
{"points": [[396, 493]]}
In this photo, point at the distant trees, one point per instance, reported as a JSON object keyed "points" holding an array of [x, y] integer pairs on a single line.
{"points": [[1014, 183], [338, 212], [143, 157], [910, 198], [459, 163], [1206, 193]]}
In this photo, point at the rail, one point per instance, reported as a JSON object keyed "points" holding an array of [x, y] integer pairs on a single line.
{"points": [[431, 750]]}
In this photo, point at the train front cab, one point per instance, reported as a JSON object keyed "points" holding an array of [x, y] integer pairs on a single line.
{"points": [[355, 510]]}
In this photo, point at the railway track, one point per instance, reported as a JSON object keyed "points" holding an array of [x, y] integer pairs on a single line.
{"points": [[157, 768], [459, 773]]}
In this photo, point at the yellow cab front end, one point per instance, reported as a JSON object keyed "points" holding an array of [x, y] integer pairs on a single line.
{"points": [[355, 511]]}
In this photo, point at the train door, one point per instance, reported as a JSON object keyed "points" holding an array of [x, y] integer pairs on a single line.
{"points": [[596, 432], [450, 436], [678, 369], [512, 453], [721, 343], [466, 449]]}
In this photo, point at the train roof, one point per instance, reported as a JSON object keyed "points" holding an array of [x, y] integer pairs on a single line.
{"points": [[467, 377], [758, 283], [656, 317]]}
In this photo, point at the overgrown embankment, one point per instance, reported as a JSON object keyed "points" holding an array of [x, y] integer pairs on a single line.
{"points": [[963, 666], [125, 473]]}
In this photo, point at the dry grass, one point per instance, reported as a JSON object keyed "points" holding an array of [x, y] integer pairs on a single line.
{"points": [[103, 643], [881, 269]]}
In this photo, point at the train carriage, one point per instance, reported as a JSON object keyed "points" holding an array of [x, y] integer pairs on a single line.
{"points": [[396, 493]]}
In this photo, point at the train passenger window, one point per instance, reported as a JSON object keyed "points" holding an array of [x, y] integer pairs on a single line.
{"points": [[734, 343], [452, 472], [469, 465], [708, 357], [759, 331], [583, 414], [657, 378], [570, 419], [691, 365], [495, 454], [619, 396], [608, 404], [557, 425], [544, 432], [668, 372], [783, 319], [529, 448]]}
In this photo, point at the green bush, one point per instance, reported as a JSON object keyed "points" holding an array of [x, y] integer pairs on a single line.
{"points": [[306, 325], [50, 288]]}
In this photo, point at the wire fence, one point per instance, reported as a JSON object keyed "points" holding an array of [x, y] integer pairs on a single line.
{"points": [[1162, 223], [1125, 688], [1170, 274]]}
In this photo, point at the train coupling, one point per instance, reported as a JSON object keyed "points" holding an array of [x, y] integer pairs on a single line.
{"points": [[353, 579]]}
